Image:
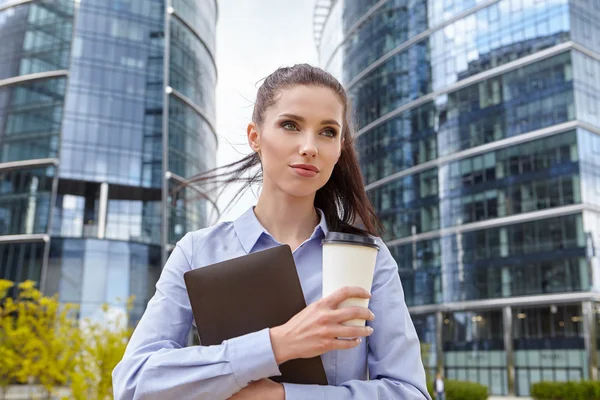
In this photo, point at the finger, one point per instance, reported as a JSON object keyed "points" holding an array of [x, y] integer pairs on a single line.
{"points": [[334, 299], [344, 344], [353, 331], [348, 313]]}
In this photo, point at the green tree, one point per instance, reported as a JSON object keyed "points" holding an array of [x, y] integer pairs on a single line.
{"points": [[39, 339], [44, 342], [104, 347]]}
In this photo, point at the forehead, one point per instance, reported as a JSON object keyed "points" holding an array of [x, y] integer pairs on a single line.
{"points": [[309, 102]]}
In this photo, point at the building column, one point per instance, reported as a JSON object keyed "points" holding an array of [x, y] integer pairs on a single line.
{"points": [[32, 205], [589, 337], [102, 209], [508, 347], [439, 341], [164, 236]]}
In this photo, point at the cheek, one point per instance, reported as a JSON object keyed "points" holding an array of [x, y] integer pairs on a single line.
{"points": [[331, 156], [274, 145], [273, 156]]}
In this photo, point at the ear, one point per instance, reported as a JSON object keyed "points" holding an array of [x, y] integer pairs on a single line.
{"points": [[341, 148], [253, 137]]}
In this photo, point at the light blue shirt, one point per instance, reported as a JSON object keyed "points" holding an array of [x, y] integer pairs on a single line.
{"points": [[158, 365]]}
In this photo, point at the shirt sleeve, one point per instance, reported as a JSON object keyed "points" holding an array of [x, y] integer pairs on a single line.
{"points": [[156, 363], [394, 356]]}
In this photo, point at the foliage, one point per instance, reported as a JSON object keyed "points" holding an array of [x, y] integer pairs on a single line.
{"points": [[99, 354], [461, 390], [38, 338], [44, 342], [583, 390], [458, 390]]}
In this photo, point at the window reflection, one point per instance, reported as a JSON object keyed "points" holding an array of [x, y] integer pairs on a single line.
{"points": [[202, 14], [549, 345], [132, 213], [187, 211], [527, 177], [539, 257], [445, 57], [25, 200], [474, 348], [32, 114], [192, 72], [93, 272], [21, 261], [192, 143], [470, 117], [37, 37]]}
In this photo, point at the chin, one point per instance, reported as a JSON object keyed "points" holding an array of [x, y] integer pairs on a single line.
{"points": [[301, 190]]}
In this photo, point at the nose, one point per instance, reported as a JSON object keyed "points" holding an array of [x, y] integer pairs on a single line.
{"points": [[308, 147]]}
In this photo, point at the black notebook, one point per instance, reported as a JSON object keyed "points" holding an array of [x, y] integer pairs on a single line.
{"points": [[247, 294]]}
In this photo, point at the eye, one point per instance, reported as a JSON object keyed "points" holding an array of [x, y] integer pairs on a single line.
{"points": [[330, 133], [289, 125]]}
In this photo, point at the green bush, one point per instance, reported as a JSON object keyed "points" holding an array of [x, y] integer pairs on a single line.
{"points": [[460, 390], [584, 390]]}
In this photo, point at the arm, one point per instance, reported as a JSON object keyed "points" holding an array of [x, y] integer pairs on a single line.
{"points": [[394, 358], [157, 365]]}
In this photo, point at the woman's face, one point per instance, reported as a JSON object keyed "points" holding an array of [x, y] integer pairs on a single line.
{"points": [[300, 140]]}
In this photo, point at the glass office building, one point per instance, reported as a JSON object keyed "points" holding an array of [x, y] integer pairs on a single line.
{"points": [[479, 138], [105, 105]]}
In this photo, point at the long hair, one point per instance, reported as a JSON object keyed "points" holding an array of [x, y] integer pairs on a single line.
{"points": [[342, 199]]}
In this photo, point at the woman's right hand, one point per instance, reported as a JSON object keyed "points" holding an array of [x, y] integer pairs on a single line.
{"points": [[314, 330]]}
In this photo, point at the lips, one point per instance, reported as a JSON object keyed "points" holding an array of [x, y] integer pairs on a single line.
{"points": [[305, 170], [307, 167]]}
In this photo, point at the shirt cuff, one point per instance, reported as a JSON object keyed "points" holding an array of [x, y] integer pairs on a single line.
{"points": [[252, 357], [295, 391]]}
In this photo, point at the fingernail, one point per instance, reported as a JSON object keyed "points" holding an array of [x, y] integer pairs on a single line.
{"points": [[369, 329], [359, 340], [372, 315]]}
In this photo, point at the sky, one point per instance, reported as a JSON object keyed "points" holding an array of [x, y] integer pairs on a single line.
{"points": [[253, 39]]}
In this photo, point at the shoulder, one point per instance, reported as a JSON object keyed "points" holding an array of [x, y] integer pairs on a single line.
{"points": [[384, 254], [212, 234], [209, 245], [209, 237]]}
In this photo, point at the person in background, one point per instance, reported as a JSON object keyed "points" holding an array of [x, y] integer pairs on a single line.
{"points": [[438, 387]]}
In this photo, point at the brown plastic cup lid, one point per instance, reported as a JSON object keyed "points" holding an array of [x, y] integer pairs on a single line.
{"points": [[349, 238]]}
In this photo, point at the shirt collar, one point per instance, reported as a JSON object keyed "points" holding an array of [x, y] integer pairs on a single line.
{"points": [[248, 229]]}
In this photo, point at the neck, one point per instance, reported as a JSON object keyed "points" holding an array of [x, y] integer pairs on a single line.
{"points": [[290, 220]]}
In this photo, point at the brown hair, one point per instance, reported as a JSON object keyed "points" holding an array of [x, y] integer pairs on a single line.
{"points": [[342, 199]]}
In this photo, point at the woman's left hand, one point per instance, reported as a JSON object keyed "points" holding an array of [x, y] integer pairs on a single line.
{"points": [[265, 389]]}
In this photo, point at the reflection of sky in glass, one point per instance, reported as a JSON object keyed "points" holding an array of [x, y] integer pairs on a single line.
{"points": [[341, 20], [500, 25], [333, 32], [94, 272], [112, 68]]}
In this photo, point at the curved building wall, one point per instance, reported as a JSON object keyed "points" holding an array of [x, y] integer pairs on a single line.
{"points": [[192, 78], [34, 60], [89, 153], [477, 127]]}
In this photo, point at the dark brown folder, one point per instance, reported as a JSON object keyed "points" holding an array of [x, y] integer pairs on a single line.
{"points": [[247, 294]]}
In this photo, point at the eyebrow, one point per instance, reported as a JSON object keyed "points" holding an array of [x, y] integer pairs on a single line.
{"points": [[301, 119]]}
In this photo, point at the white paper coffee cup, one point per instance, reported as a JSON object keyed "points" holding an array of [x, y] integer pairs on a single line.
{"points": [[349, 260]]}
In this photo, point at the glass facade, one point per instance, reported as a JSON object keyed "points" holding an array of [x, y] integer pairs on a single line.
{"points": [[549, 345], [479, 141], [474, 348], [94, 125]]}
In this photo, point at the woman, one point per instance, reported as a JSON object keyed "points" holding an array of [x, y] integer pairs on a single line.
{"points": [[301, 139]]}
